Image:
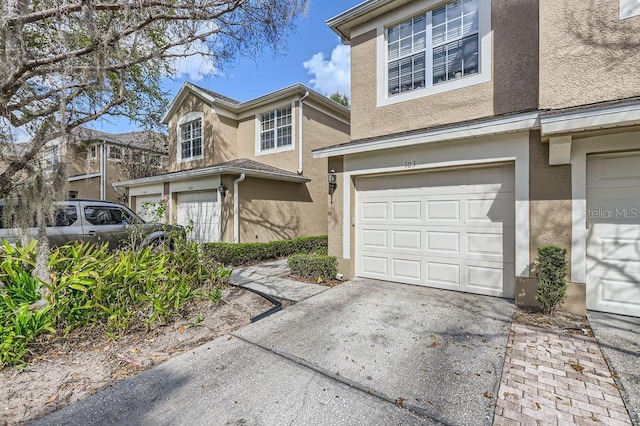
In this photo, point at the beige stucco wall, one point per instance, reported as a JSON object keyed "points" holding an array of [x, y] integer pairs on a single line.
{"points": [[286, 160], [550, 203], [219, 136], [587, 54], [513, 86], [271, 210], [90, 188]]}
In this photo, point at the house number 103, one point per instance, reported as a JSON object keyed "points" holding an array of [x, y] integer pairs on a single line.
{"points": [[409, 164]]}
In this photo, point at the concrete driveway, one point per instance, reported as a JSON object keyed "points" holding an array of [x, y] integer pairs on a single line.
{"points": [[365, 352], [618, 337]]}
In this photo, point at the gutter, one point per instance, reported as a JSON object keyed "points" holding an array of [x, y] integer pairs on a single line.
{"points": [[236, 208], [300, 132], [188, 174], [518, 123]]}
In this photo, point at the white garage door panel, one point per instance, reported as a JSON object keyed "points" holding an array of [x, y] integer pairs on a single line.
{"points": [[200, 210], [147, 206], [613, 236], [452, 229]]}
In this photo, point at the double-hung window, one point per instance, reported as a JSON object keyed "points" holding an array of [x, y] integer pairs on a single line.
{"points": [[191, 139], [434, 47], [276, 129], [115, 153]]}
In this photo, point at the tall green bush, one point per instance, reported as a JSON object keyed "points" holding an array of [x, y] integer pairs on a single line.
{"points": [[551, 270], [248, 253]]}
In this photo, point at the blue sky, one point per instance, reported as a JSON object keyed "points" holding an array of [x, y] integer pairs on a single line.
{"points": [[314, 57]]}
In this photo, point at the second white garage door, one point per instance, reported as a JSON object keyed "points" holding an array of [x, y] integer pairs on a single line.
{"points": [[451, 229], [201, 210], [613, 234]]}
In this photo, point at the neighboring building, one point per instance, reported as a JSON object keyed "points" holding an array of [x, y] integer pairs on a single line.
{"points": [[243, 171], [95, 160], [126, 156], [486, 130]]}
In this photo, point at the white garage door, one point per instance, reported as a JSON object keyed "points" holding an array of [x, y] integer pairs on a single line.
{"points": [[451, 229], [613, 234], [200, 210], [147, 206]]}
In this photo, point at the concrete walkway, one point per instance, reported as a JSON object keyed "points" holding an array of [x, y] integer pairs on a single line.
{"points": [[271, 279]]}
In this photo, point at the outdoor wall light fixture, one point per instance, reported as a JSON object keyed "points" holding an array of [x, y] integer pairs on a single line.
{"points": [[222, 190], [333, 181]]}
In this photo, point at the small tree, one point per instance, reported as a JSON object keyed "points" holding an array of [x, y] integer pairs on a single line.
{"points": [[341, 99], [551, 270]]}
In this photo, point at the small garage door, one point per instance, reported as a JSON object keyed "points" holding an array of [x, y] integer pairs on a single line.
{"points": [[613, 234], [451, 229], [147, 206], [201, 211]]}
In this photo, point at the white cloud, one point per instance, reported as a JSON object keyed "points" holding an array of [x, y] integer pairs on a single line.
{"points": [[194, 67], [333, 75]]}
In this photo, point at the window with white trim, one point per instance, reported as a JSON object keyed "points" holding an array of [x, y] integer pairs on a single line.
{"points": [[115, 152], [434, 47], [276, 129], [191, 139]]}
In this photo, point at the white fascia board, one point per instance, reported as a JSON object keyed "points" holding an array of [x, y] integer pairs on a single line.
{"points": [[210, 171], [486, 128], [247, 109], [353, 13], [82, 177], [593, 119]]}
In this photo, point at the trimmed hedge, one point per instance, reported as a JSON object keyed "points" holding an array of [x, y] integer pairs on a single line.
{"points": [[247, 253], [314, 266]]}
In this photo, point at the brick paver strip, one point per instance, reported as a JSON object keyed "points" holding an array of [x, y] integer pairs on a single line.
{"points": [[555, 378]]}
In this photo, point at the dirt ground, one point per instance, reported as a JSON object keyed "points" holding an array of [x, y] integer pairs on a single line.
{"points": [[65, 369], [560, 321]]}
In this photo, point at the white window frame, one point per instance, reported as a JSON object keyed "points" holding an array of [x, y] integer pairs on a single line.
{"points": [[427, 6], [185, 119], [114, 158], [51, 156], [93, 152], [628, 9], [258, 132]]}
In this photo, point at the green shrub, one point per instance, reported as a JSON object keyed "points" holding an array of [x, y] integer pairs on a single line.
{"points": [[551, 270], [249, 253], [314, 266], [19, 325], [92, 286]]}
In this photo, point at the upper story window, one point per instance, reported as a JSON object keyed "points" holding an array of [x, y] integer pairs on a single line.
{"points": [[115, 152], [93, 152], [434, 47], [276, 129], [433, 51], [190, 136], [191, 139], [51, 156]]}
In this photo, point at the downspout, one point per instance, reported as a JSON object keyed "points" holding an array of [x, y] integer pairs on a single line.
{"points": [[236, 208], [103, 170], [300, 151]]}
